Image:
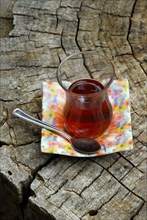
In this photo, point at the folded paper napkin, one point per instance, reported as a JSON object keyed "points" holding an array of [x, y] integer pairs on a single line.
{"points": [[118, 137]]}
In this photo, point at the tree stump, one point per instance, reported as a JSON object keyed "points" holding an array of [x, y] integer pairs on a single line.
{"points": [[42, 186]]}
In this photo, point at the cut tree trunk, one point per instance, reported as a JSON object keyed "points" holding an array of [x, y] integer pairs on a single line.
{"points": [[42, 186]]}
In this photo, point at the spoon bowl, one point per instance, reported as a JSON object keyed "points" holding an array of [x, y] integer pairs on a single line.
{"points": [[81, 145], [85, 145]]}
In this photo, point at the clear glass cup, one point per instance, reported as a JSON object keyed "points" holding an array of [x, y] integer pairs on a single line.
{"points": [[85, 78]]}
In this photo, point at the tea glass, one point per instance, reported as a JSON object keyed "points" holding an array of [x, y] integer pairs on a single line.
{"points": [[85, 78]]}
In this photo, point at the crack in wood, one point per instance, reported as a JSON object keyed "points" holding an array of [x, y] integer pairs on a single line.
{"points": [[26, 143], [93, 8], [143, 143], [68, 6], [129, 30], [56, 191], [10, 53], [2, 143], [137, 211], [135, 111], [121, 155], [116, 15], [80, 171], [129, 162], [11, 134], [74, 162], [140, 164], [25, 15], [73, 191], [102, 186], [141, 132], [104, 203], [62, 46], [111, 164], [7, 100], [27, 192], [122, 54], [78, 24], [64, 201], [127, 173], [126, 187], [91, 183], [57, 18]]}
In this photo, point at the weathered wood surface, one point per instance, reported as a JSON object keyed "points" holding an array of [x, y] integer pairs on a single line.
{"points": [[38, 186]]}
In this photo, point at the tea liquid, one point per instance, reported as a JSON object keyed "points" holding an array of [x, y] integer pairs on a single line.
{"points": [[87, 116]]}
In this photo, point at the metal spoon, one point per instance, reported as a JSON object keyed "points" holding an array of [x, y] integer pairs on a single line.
{"points": [[82, 145]]}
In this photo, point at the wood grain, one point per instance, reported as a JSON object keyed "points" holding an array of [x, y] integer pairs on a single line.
{"points": [[41, 186]]}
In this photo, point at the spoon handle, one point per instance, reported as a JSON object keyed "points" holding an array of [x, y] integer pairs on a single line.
{"points": [[21, 114]]}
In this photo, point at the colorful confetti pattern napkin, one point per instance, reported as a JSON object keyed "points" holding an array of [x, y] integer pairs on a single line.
{"points": [[118, 137]]}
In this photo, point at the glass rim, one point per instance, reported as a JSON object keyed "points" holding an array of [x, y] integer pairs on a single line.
{"points": [[87, 95]]}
